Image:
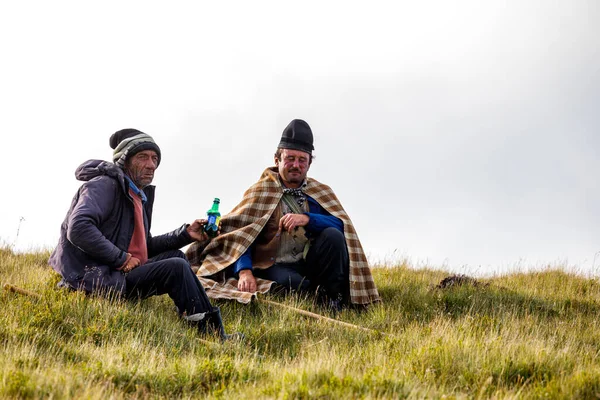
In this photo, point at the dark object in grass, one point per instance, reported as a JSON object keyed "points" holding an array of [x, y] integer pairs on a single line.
{"points": [[458, 280], [213, 323]]}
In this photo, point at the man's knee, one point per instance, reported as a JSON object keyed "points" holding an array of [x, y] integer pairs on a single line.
{"points": [[179, 254], [179, 266], [333, 237]]}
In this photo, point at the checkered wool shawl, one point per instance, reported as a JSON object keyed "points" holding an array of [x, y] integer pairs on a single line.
{"points": [[244, 223]]}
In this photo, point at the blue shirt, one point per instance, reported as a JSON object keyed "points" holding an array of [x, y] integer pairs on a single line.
{"points": [[319, 219], [136, 190]]}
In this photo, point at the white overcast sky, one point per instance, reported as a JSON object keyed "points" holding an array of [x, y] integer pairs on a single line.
{"points": [[462, 135]]}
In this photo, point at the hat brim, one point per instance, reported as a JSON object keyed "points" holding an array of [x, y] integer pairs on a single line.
{"points": [[305, 147], [144, 146]]}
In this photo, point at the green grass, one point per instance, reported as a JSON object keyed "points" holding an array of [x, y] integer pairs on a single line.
{"points": [[533, 335]]}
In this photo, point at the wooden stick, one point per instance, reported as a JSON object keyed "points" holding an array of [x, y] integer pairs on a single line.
{"points": [[321, 317], [14, 289]]}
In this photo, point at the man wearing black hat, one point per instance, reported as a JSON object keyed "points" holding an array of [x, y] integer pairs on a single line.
{"points": [[297, 265], [105, 243], [291, 230]]}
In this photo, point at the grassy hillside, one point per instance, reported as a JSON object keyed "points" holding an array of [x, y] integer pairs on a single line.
{"points": [[532, 335]]}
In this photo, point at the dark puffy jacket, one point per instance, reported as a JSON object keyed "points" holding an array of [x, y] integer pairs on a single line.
{"points": [[96, 232]]}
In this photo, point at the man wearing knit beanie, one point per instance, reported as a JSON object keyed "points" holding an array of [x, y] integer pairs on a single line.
{"points": [[127, 142], [105, 243]]}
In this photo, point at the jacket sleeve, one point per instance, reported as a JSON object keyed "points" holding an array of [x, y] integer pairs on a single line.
{"points": [[169, 241], [94, 206], [320, 219], [244, 262]]}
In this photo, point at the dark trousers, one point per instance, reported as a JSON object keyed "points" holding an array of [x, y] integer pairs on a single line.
{"points": [[169, 273], [326, 268]]}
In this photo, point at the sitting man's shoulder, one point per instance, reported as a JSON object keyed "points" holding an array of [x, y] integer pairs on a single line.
{"points": [[99, 172], [315, 185]]}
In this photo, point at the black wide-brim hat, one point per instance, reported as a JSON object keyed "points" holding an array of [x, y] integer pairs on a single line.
{"points": [[297, 136]]}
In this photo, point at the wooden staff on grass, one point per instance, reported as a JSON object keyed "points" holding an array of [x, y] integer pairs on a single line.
{"points": [[14, 289], [321, 317]]}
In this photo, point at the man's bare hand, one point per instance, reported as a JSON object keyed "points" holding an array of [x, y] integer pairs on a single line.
{"points": [[131, 263], [289, 222], [247, 281], [196, 230]]}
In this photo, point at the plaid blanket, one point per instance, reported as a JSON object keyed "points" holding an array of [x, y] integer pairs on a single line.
{"points": [[243, 224]]}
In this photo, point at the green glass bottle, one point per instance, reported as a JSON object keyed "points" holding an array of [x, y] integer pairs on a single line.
{"points": [[214, 216]]}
